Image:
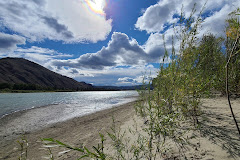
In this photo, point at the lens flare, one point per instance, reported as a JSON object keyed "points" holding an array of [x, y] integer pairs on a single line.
{"points": [[97, 6]]}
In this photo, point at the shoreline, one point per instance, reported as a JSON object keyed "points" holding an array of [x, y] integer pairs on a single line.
{"points": [[36, 118], [69, 131], [217, 137]]}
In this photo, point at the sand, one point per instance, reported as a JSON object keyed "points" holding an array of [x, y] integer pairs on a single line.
{"points": [[82, 130], [217, 139]]}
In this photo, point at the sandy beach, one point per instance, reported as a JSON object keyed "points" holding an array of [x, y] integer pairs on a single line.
{"points": [[217, 139], [83, 130]]}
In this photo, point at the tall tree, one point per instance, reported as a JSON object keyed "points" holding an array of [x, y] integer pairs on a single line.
{"points": [[233, 58]]}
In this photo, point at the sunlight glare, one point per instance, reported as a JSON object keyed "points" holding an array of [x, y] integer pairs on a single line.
{"points": [[96, 5]]}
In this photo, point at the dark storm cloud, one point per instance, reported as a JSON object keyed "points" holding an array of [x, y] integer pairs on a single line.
{"points": [[59, 28], [74, 71], [9, 42]]}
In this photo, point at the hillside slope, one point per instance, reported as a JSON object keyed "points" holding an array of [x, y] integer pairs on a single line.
{"points": [[22, 71]]}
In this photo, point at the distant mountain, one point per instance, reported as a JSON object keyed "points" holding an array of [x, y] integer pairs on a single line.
{"points": [[22, 71]]}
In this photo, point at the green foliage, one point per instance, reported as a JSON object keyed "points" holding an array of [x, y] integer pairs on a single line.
{"points": [[24, 87], [233, 54], [211, 62], [194, 71], [117, 139], [20, 86], [23, 143], [5, 86], [97, 152], [233, 49]]}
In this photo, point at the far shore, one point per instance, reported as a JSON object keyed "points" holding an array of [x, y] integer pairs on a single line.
{"points": [[43, 91], [216, 140]]}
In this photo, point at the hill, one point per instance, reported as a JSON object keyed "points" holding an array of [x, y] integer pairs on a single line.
{"points": [[19, 71]]}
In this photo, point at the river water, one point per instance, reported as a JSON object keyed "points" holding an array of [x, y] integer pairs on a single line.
{"points": [[30, 111]]}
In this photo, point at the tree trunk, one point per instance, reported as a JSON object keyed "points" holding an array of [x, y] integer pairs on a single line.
{"points": [[227, 85], [228, 98]]}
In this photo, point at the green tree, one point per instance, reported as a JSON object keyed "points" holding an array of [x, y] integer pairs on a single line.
{"points": [[210, 62]]}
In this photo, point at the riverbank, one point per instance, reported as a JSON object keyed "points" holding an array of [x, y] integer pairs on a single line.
{"points": [[217, 138], [82, 130]]}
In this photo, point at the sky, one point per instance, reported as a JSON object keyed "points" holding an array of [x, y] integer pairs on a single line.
{"points": [[102, 42]]}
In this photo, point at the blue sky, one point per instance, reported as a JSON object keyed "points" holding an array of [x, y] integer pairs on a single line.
{"points": [[102, 42]]}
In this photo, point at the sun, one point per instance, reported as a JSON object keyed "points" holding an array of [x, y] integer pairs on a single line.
{"points": [[96, 5]]}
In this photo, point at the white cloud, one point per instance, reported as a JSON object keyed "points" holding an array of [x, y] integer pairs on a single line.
{"points": [[216, 23], [124, 57], [71, 72], [157, 16], [142, 79], [127, 80], [123, 60], [154, 45], [116, 75], [120, 51], [39, 55], [158, 20], [62, 20]]}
